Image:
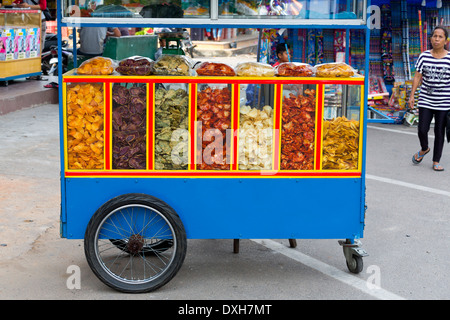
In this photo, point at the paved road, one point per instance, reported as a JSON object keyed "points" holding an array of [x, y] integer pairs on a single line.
{"points": [[407, 232]]}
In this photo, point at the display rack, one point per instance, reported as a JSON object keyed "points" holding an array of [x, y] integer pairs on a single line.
{"points": [[20, 55], [100, 201]]}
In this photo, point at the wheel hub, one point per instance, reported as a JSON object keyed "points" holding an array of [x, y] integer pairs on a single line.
{"points": [[135, 244]]}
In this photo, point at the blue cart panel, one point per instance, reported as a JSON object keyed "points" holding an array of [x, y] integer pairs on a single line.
{"points": [[307, 208]]}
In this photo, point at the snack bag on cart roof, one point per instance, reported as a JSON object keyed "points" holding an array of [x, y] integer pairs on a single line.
{"points": [[136, 65], [334, 69], [254, 69], [173, 65], [97, 66], [294, 69], [214, 69]]}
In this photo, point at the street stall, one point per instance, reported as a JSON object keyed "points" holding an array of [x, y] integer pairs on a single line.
{"points": [[157, 152], [20, 48]]}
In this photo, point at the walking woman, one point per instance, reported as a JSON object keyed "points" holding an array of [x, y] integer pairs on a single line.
{"points": [[433, 71]]}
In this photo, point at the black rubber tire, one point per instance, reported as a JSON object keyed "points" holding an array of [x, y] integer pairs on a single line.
{"points": [[106, 214], [356, 265]]}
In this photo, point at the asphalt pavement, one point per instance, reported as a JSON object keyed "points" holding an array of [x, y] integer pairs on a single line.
{"points": [[407, 233]]}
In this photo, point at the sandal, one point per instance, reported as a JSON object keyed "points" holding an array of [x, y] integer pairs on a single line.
{"points": [[51, 85], [419, 157], [36, 78], [437, 167]]}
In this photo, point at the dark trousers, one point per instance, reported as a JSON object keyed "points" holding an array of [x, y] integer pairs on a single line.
{"points": [[440, 119]]}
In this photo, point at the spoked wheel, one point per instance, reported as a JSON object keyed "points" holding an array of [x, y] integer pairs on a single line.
{"points": [[135, 243]]}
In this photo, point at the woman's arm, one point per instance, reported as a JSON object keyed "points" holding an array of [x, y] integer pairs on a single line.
{"points": [[42, 5], [416, 82]]}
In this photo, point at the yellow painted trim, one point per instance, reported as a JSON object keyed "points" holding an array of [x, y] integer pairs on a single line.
{"points": [[316, 120], [361, 123], [194, 143], [261, 176], [236, 125], [65, 124], [208, 79], [110, 129], [280, 126]]}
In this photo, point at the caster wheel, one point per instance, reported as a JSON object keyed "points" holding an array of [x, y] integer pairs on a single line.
{"points": [[135, 243], [355, 265]]}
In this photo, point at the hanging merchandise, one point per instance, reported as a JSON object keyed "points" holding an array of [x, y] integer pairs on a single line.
{"points": [[264, 51], [311, 47], [414, 36], [405, 39], [420, 28], [298, 45], [357, 49], [319, 47], [386, 44], [339, 45], [328, 46]]}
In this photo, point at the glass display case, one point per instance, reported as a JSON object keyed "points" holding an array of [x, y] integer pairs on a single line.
{"points": [[225, 12], [129, 126], [85, 126], [150, 125], [213, 122], [171, 126], [20, 43]]}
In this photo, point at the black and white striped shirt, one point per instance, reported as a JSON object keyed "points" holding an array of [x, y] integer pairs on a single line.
{"points": [[435, 89]]}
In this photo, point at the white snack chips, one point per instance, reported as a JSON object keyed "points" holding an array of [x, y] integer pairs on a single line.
{"points": [[255, 138]]}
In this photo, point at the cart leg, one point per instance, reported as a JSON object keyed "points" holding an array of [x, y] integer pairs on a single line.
{"points": [[236, 246], [293, 243]]}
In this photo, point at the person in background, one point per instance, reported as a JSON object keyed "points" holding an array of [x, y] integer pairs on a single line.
{"points": [[162, 45], [282, 52], [217, 33], [124, 32], [433, 71], [213, 34], [92, 40]]}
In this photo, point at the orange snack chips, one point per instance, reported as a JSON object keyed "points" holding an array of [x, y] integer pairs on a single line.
{"points": [[85, 126], [96, 66]]}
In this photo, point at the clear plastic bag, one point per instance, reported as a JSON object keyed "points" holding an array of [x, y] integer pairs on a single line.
{"points": [[214, 69], [334, 69], [294, 69], [136, 65], [173, 65], [97, 66], [254, 69]]}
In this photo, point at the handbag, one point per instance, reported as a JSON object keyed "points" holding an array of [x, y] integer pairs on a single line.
{"points": [[46, 12]]}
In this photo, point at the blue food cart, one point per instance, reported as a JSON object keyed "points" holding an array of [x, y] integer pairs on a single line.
{"points": [[143, 169]]}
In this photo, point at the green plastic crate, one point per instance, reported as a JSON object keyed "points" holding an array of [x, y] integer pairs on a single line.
{"points": [[127, 46]]}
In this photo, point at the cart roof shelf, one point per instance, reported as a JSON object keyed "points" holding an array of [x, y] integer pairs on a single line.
{"points": [[220, 13]]}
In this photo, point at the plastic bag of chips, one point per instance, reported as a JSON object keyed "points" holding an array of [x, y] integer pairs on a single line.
{"points": [[254, 69], [97, 66], [334, 69]]}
